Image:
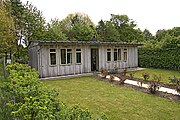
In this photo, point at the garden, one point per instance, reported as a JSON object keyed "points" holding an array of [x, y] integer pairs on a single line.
{"points": [[162, 83], [116, 101]]}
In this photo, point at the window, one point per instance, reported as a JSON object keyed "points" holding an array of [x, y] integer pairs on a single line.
{"points": [[69, 56], [125, 54], [119, 54], [78, 55], [115, 55], [108, 54], [52, 56], [63, 56], [66, 56]]}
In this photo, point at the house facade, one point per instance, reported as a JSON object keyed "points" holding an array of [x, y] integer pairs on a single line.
{"points": [[58, 58]]}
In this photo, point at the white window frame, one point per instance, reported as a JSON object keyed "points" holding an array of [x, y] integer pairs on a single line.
{"points": [[76, 55], [66, 49], [50, 56], [117, 51], [125, 50], [108, 50]]}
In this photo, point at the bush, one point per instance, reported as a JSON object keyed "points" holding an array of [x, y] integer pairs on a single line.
{"points": [[23, 96], [153, 86], [146, 76], [165, 58]]}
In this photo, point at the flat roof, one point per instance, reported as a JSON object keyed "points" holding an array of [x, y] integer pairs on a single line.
{"points": [[41, 42]]}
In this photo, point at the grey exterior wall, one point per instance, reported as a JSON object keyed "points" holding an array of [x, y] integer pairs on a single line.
{"points": [[33, 56], [39, 59]]}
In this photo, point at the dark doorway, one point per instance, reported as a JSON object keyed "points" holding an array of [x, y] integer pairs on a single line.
{"points": [[94, 59]]}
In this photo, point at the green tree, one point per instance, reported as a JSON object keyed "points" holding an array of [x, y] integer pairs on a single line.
{"points": [[29, 21], [119, 28], [126, 28], [54, 31], [107, 32], [78, 21], [147, 35], [7, 30]]}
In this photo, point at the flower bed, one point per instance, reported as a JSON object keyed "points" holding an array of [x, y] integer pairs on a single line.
{"points": [[152, 87]]}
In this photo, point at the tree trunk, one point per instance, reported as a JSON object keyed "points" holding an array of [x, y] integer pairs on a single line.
{"points": [[33, 116]]}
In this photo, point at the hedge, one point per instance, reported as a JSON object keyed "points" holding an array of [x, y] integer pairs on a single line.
{"points": [[165, 58]]}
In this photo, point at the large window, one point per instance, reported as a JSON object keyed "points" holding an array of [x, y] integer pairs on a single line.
{"points": [[66, 56], [117, 54], [78, 56], [52, 56], [108, 54], [125, 55]]}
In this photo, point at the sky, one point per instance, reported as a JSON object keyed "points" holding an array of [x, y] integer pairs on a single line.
{"points": [[148, 14]]}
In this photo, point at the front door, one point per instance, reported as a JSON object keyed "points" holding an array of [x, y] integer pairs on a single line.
{"points": [[94, 59]]}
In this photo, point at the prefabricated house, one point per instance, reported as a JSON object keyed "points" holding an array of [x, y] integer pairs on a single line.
{"points": [[59, 58]]}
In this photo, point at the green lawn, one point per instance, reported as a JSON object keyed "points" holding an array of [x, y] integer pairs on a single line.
{"points": [[118, 103], [165, 74]]}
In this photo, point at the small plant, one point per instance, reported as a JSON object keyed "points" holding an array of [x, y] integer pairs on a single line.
{"points": [[122, 79], [174, 80], [156, 78], [146, 76], [131, 75], [153, 86], [178, 89], [111, 78], [124, 71], [104, 72]]}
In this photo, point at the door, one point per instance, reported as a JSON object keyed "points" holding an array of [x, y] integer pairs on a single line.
{"points": [[94, 59]]}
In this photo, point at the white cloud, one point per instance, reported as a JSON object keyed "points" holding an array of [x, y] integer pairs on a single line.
{"points": [[150, 14]]}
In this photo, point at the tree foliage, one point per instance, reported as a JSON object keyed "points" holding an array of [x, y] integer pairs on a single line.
{"points": [[119, 28], [162, 51], [78, 27], [54, 31], [29, 21], [7, 30]]}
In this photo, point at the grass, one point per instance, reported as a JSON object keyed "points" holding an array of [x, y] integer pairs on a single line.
{"points": [[165, 74], [118, 103]]}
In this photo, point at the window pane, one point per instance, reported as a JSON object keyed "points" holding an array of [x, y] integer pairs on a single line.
{"points": [[53, 58], [78, 50], [52, 50], [115, 54], [69, 58], [69, 50], [63, 56], [78, 57], [119, 54], [125, 55], [108, 56]]}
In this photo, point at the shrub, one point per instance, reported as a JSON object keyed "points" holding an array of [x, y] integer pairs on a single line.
{"points": [[174, 80], [153, 86], [112, 78], [131, 75], [122, 79], [156, 78], [165, 58], [124, 71], [104, 71], [146, 76], [24, 97]]}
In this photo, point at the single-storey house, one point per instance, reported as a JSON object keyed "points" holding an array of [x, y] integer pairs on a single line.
{"points": [[57, 58]]}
